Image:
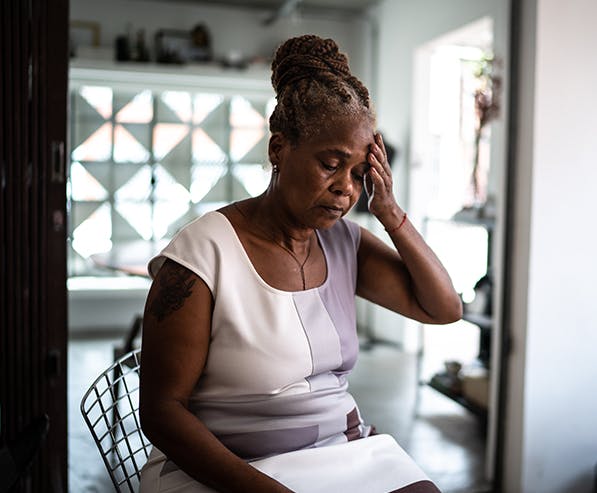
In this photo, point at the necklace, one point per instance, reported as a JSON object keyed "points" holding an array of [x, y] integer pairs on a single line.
{"points": [[300, 265]]}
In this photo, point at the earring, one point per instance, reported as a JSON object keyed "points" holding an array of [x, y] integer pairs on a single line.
{"points": [[275, 169]]}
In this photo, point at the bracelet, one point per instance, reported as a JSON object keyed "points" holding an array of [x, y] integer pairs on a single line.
{"points": [[392, 230]]}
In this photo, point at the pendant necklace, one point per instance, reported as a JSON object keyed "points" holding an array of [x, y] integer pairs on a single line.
{"points": [[300, 265]]}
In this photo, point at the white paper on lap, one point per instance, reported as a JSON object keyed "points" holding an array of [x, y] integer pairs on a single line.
{"points": [[375, 464]]}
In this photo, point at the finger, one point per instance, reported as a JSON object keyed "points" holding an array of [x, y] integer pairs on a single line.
{"points": [[381, 156], [379, 184], [379, 142], [378, 149], [374, 162], [383, 171]]}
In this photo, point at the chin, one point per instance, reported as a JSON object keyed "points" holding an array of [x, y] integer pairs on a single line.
{"points": [[321, 223], [319, 218], [327, 225]]}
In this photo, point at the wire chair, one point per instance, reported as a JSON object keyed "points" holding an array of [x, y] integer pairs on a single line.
{"points": [[113, 420]]}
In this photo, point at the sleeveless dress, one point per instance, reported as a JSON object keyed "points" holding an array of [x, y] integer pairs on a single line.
{"points": [[275, 379]]}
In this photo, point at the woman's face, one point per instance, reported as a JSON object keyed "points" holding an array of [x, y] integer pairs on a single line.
{"points": [[321, 177]]}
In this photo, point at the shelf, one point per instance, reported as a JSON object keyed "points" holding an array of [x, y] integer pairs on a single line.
{"points": [[441, 383], [254, 80]]}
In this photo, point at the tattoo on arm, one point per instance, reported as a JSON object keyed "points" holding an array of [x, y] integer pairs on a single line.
{"points": [[175, 286]]}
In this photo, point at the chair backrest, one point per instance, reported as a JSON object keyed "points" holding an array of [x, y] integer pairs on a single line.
{"points": [[111, 410]]}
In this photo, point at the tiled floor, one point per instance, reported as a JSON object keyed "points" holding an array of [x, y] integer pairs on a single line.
{"points": [[444, 439]]}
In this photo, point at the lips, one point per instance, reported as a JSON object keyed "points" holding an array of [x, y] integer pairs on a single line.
{"points": [[333, 209]]}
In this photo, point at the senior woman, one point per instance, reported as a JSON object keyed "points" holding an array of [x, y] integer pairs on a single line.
{"points": [[249, 332]]}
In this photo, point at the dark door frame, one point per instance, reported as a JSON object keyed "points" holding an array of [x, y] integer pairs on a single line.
{"points": [[33, 106]]}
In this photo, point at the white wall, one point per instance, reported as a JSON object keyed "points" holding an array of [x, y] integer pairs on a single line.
{"points": [[404, 25], [552, 408]]}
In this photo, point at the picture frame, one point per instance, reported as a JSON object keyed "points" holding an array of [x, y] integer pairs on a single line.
{"points": [[83, 34], [177, 46], [172, 46]]}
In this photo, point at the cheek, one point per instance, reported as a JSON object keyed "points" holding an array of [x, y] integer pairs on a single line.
{"points": [[358, 189], [316, 180]]}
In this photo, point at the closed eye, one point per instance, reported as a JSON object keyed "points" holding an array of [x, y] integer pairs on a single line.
{"points": [[329, 167]]}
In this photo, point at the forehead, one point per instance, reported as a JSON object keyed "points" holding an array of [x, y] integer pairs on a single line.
{"points": [[352, 134]]}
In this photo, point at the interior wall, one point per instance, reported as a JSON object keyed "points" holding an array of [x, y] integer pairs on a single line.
{"points": [[403, 26], [551, 431]]}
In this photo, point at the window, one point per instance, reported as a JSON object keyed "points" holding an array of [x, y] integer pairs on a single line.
{"points": [[145, 162]]}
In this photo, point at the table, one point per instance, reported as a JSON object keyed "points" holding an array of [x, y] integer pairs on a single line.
{"points": [[129, 257]]}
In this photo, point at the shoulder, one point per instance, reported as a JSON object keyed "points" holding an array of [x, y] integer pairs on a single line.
{"points": [[202, 232], [208, 224], [197, 246]]}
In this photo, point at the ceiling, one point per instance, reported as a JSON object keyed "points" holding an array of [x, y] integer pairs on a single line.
{"points": [[285, 6], [336, 4]]}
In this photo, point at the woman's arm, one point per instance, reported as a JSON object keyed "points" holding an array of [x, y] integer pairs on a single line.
{"points": [[410, 279], [176, 334]]}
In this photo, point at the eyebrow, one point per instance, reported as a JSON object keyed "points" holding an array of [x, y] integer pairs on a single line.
{"points": [[338, 152]]}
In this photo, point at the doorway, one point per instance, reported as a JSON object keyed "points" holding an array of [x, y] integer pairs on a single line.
{"points": [[455, 191]]}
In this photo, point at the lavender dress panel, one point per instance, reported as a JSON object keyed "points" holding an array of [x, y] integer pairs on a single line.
{"points": [[259, 444], [338, 296], [298, 421]]}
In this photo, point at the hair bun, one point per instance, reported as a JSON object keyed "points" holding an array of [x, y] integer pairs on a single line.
{"points": [[312, 81], [307, 56]]}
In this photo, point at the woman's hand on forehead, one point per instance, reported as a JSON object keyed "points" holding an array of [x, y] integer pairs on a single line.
{"points": [[379, 182]]}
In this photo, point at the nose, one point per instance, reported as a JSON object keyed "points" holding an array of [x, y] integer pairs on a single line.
{"points": [[343, 184]]}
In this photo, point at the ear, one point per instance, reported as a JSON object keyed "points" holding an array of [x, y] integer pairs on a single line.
{"points": [[276, 148]]}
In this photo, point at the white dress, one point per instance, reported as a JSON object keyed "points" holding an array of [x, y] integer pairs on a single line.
{"points": [[274, 388]]}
